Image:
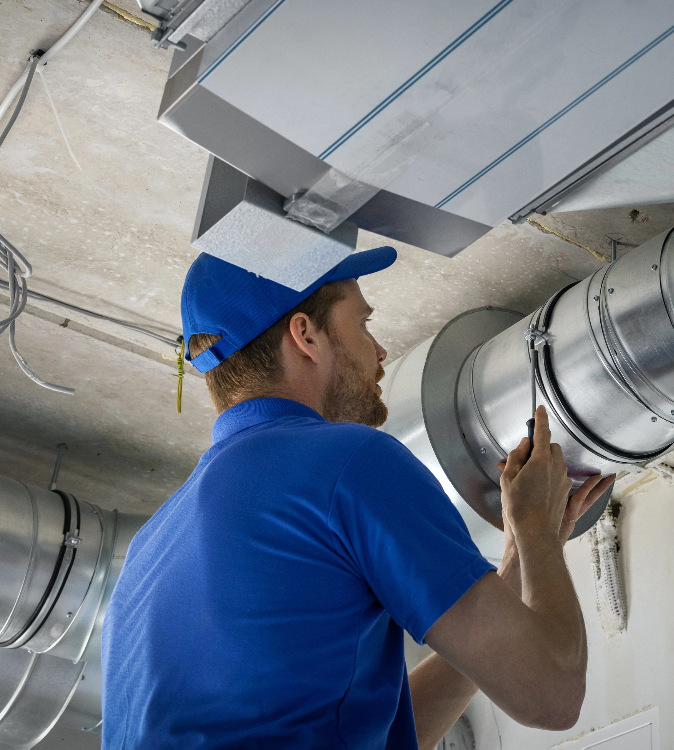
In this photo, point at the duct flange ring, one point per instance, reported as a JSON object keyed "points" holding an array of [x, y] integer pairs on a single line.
{"points": [[451, 348]]}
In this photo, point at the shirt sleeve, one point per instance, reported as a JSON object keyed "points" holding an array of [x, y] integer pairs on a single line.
{"points": [[392, 521]]}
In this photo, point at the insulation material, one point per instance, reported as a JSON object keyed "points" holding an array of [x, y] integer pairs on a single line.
{"points": [[605, 548]]}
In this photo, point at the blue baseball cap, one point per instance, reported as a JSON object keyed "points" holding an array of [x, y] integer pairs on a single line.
{"points": [[237, 305]]}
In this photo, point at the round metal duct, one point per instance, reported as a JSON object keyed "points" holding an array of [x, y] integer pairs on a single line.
{"points": [[604, 370], [60, 560], [35, 690]]}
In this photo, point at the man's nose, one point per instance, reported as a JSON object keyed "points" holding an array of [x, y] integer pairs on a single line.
{"points": [[381, 352]]}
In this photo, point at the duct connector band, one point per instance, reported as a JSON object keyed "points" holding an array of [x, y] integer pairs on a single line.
{"points": [[56, 555], [60, 562], [605, 373]]}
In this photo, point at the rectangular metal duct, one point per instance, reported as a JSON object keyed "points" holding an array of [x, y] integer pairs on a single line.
{"points": [[473, 109]]}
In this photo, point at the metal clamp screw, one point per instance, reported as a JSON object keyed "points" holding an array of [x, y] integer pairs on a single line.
{"points": [[69, 615], [654, 267], [596, 298], [538, 337], [611, 290], [72, 540], [654, 419], [483, 450]]}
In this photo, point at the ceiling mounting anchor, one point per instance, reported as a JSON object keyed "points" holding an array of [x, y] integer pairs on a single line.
{"points": [[615, 241], [57, 466]]}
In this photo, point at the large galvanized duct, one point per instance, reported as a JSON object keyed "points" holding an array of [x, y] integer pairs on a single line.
{"points": [[605, 372], [60, 560]]}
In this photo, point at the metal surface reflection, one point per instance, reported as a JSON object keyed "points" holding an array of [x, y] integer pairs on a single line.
{"points": [[605, 373]]}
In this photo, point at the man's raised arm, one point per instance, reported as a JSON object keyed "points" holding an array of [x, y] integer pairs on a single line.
{"points": [[529, 656]]}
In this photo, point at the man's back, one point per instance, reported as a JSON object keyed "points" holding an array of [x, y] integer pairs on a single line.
{"points": [[265, 601]]}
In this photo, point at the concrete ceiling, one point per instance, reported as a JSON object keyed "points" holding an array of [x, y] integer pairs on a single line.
{"points": [[114, 237]]}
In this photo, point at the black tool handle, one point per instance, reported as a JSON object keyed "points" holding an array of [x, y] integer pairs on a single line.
{"points": [[530, 434]]}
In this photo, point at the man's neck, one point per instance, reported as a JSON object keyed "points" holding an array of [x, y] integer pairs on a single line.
{"points": [[308, 397]]}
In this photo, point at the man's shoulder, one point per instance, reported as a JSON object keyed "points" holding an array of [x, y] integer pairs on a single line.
{"points": [[319, 441], [354, 436]]}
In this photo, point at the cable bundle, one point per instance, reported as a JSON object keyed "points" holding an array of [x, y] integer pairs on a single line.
{"points": [[18, 269]]}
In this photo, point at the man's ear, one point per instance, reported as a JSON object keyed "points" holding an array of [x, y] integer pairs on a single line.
{"points": [[303, 337]]}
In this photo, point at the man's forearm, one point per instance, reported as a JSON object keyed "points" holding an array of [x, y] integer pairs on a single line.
{"points": [[509, 569], [547, 589], [440, 693]]}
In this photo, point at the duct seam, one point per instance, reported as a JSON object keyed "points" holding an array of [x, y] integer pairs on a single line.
{"points": [[23, 591], [563, 411], [59, 576], [624, 364], [476, 409]]}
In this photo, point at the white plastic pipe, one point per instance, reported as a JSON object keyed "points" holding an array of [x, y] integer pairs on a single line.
{"points": [[16, 88]]}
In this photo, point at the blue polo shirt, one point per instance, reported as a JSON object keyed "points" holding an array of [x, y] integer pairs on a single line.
{"points": [[264, 604]]}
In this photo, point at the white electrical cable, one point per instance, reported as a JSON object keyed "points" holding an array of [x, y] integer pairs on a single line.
{"points": [[17, 267], [18, 270], [24, 93], [58, 119], [9, 256], [59, 44], [99, 316]]}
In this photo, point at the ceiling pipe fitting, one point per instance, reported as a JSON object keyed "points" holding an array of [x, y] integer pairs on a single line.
{"points": [[605, 372], [60, 561]]}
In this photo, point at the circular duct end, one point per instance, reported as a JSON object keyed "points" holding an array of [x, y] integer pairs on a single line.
{"points": [[441, 404]]}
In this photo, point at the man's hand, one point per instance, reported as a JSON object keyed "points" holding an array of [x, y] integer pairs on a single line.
{"points": [[535, 489], [581, 501], [576, 506]]}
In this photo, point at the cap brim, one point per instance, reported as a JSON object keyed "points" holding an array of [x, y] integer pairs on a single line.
{"points": [[361, 264]]}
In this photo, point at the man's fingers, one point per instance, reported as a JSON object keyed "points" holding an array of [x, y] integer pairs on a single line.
{"points": [[596, 492], [588, 494], [541, 430], [516, 459]]}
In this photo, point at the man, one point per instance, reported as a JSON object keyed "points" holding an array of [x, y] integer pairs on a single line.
{"points": [[264, 604]]}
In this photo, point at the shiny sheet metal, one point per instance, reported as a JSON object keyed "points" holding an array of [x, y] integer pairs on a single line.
{"points": [[31, 539], [442, 402], [243, 222], [60, 560], [127, 525], [605, 373], [74, 642], [282, 99], [41, 686], [84, 710], [66, 609]]}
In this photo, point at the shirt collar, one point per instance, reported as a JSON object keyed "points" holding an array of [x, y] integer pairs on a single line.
{"points": [[256, 411]]}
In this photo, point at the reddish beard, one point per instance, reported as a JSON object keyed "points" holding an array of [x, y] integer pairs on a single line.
{"points": [[352, 395]]}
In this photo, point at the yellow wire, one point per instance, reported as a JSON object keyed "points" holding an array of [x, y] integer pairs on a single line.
{"points": [[129, 16], [550, 230], [180, 364]]}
